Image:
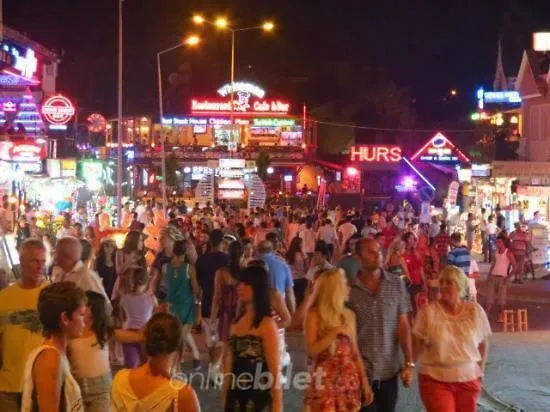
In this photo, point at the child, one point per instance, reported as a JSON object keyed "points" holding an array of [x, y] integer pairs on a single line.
{"points": [[89, 355], [137, 307]]}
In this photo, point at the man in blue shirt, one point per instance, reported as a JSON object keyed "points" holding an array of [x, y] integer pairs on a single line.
{"points": [[279, 272], [459, 255]]}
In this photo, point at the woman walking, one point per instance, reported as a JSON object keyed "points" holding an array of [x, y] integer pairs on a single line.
{"points": [[105, 265], [339, 378], [298, 262], [89, 355], [253, 348], [450, 343], [48, 382], [182, 292], [224, 303]]}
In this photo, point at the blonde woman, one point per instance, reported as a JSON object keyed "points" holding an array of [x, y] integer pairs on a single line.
{"points": [[339, 381], [450, 344], [395, 263]]}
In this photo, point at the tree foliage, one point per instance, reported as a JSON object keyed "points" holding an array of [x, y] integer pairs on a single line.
{"points": [[262, 163]]}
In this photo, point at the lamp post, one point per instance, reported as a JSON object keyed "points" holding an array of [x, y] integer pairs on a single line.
{"points": [[223, 24], [119, 125], [190, 41]]}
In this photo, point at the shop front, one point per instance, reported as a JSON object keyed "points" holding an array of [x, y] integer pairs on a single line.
{"points": [[257, 126]]}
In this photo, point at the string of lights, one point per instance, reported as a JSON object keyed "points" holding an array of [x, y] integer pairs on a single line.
{"points": [[391, 129]]}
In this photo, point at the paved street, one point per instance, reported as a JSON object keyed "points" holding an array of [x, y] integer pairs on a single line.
{"points": [[518, 372]]}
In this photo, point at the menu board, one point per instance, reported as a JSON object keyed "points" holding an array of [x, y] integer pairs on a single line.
{"points": [[539, 241]]}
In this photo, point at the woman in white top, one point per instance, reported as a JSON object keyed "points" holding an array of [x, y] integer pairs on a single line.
{"points": [[48, 383], [450, 344], [89, 355], [153, 386]]}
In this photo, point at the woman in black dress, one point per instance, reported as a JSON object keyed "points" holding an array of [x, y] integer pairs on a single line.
{"points": [[253, 347], [105, 265]]}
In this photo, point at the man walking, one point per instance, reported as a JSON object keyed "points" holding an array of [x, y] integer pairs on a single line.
{"points": [[519, 242], [381, 305], [20, 328], [207, 266], [499, 274], [459, 256], [442, 244]]}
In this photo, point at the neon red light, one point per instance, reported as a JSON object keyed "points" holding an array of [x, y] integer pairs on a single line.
{"points": [[445, 147], [240, 106], [58, 110], [376, 153]]}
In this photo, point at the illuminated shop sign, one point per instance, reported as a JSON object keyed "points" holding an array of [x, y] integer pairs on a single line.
{"points": [[541, 41], [195, 121], [439, 149], [241, 87], [270, 122], [58, 111], [241, 104], [21, 62], [23, 151], [376, 153], [507, 97], [481, 170]]}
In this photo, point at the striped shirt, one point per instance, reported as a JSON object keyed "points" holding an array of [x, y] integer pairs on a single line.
{"points": [[460, 257], [377, 322]]}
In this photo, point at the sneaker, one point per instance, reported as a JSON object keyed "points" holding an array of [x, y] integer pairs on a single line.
{"points": [[197, 364]]}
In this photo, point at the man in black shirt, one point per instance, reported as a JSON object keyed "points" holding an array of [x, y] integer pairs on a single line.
{"points": [[207, 266]]}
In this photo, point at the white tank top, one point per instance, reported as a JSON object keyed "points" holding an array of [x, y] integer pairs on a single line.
{"points": [[502, 263], [71, 390], [87, 358]]}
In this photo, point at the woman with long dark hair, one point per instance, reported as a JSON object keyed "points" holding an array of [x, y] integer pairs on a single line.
{"points": [[253, 348], [224, 303], [105, 265], [297, 261]]}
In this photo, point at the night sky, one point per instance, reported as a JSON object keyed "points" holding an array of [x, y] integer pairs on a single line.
{"points": [[428, 47]]}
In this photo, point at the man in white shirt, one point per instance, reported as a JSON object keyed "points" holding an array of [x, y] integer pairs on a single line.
{"points": [[308, 236], [68, 267], [346, 230], [327, 233]]}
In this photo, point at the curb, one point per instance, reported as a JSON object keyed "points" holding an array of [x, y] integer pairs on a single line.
{"points": [[489, 403], [522, 298]]}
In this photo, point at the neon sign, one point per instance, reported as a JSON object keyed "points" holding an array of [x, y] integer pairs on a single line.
{"points": [[242, 87], [376, 153], [240, 105], [26, 64], [439, 149], [24, 151], [58, 110], [506, 96], [267, 122], [96, 123], [196, 121], [9, 107]]}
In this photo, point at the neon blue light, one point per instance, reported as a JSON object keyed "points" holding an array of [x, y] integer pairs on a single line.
{"points": [[418, 173], [502, 97], [480, 92]]}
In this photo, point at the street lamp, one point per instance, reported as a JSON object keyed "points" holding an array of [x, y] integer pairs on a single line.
{"points": [[119, 125], [189, 41], [222, 23]]}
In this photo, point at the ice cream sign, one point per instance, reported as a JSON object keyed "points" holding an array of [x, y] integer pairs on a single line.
{"points": [[439, 149]]}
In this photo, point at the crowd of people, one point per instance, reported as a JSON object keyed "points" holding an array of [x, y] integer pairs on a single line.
{"points": [[375, 294]]}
